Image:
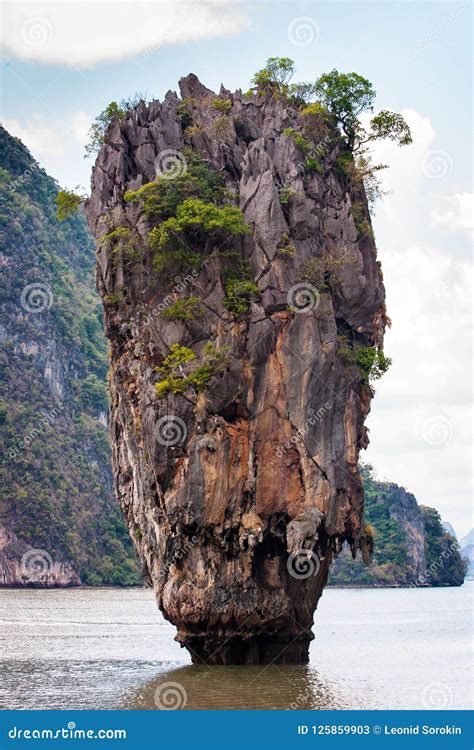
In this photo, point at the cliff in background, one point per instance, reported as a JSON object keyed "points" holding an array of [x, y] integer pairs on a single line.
{"points": [[411, 547], [59, 521], [467, 550], [237, 396]]}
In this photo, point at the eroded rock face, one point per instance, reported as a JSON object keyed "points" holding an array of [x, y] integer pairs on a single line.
{"points": [[237, 502], [23, 566]]}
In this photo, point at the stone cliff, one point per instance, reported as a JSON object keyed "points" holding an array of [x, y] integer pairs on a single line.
{"points": [[59, 522], [238, 383], [411, 546]]}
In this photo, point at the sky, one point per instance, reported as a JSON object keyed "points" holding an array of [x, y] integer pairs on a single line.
{"points": [[62, 63]]}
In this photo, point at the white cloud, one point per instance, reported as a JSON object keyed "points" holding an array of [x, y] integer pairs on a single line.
{"points": [[456, 213], [56, 144], [420, 422], [44, 137], [82, 34], [37, 135], [80, 123]]}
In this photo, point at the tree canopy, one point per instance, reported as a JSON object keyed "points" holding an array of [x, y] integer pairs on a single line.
{"points": [[343, 96], [347, 96], [277, 73]]}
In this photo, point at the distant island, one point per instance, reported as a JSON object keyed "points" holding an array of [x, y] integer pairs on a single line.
{"points": [[411, 544]]}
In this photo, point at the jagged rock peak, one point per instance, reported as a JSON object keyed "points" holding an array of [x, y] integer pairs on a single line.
{"points": [[235, 457], [191, 86]]}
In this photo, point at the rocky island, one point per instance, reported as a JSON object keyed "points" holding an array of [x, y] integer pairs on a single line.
{"points": [[244, 305]]}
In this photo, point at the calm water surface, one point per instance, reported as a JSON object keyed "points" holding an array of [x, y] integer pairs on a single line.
{"points": [[111, 648]]}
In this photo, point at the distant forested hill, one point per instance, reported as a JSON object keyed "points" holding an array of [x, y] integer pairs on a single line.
{"points": [[57, 512], [411, 547]]}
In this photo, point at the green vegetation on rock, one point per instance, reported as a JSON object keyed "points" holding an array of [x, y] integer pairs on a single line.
{"points": [[403, 533], [160, 199], [183, 309], [444, 563], [239, 293], [183, 237], [113, 111], [178, 375], [57, 481], [331, 107]]}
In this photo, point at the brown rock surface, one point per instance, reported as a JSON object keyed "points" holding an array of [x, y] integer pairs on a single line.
{"points": [[237, 518]]}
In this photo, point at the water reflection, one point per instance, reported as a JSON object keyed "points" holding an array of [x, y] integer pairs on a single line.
{"points": [[243, 687]]}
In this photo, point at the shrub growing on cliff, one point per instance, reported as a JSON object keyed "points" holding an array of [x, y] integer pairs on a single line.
{"points": [[276, 74], [299, 140], [101, 123], [222, 105], [319, 271], [184, 112], [179, 375], [239, 293], [161, 198], [372, 362], [184, 237], [67, 203], [183, 309], [123, 244], [275, 78]]}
